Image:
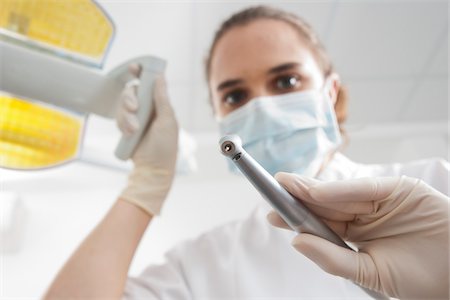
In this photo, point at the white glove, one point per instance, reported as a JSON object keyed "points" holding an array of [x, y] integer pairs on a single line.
{"points": [[155, 156], [399, 225]]}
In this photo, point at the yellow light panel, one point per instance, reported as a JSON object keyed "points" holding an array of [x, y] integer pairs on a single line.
{"points": [[35, 136], [78, 26]]}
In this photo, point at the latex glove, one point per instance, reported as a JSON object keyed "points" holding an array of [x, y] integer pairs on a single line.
{"points": [[399, 226], [155, 157]]}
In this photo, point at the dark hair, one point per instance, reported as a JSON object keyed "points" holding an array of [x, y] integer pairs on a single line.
{"points": [[305, 31]]}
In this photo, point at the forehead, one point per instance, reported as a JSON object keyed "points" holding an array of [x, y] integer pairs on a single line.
{"points": [[257, 47]]}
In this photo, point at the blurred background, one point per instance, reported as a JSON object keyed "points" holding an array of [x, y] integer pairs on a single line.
{"points": [[392, 55]]}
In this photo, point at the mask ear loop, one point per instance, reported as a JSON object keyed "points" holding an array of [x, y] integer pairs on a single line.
{"points": [[326, 82], [326, 90], [327, 86]]}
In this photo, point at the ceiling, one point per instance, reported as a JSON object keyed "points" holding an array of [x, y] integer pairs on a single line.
{"points": [[392, 55]]}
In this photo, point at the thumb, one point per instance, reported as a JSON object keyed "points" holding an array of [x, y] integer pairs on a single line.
{"points": [[329, 257], [354, 190], [296, 185]]}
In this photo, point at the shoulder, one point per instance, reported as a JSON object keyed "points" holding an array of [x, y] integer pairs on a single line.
{"points": [[433, 171], [428, 167]]}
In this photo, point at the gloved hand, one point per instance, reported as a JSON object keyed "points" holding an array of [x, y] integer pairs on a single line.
{"points": [[399, 225], [155, 157]]}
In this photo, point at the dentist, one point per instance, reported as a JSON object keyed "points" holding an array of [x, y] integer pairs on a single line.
{"points": [[272, 83]]}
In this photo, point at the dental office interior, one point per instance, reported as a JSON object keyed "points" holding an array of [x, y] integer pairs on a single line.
{"points": [[391, 55]]}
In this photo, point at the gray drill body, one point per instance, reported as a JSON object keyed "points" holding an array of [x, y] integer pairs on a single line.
{"points": [[293, 212]]}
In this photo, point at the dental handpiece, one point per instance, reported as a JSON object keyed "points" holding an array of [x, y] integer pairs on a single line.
{"points": [[293, 212], [290, 209]]}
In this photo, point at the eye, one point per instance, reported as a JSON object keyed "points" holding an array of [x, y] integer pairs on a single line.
{"points": [[235, 98], [287, 82]]}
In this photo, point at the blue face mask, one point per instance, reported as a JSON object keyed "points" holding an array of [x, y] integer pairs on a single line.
{"points": [[292, 132]]}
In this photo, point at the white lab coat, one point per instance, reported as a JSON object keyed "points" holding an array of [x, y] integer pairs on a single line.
{"points": [[250, 259]]}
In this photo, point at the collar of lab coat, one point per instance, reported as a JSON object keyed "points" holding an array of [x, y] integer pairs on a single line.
{"points": [[339, 168]]}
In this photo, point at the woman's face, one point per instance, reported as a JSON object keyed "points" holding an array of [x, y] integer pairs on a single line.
{"points": [[263, 58]]}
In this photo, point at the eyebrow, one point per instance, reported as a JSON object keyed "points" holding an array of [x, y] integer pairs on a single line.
{"points": [[229, 83], [277, 69], [284, 67]]}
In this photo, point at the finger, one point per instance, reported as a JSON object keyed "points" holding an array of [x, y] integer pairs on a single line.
{"points": [[367, 273], [348, 208], [128, 123], [340, 228], [342, 207], [129, 100], [275, 220], [295, 186], [330, 213], [331, 258], [300, 187], [135, 70], [353, 208], [354, 190], [359, 208]]}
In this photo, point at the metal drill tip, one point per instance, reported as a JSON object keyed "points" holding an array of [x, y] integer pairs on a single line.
{"points": [[230, 145]]}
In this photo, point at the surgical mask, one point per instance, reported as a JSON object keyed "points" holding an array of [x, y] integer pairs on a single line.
{"points": [[291, 132]]}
